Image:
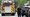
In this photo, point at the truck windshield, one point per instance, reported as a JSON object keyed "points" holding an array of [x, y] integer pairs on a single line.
{"points": [[6, 4]]}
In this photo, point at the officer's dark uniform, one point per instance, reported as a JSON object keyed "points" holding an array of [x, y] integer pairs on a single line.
{"points": [[19, 12], [24, 13]]}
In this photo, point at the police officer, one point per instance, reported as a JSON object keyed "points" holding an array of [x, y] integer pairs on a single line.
{"points": [[19, 12], [24, 12]]}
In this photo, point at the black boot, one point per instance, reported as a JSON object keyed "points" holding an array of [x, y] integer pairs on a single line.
{"points": [[26, 15]]}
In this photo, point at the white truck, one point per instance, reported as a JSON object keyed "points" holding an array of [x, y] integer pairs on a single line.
{"points": [[8, 8]]}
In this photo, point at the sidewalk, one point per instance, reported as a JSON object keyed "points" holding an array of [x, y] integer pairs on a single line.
{"points": [[0, 14]]}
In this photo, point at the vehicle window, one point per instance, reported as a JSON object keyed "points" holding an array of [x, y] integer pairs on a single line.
{"points": [[6, 4]]}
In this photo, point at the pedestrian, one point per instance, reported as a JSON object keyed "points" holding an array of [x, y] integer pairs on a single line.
{"points": [[23, 13], [19, 12]]}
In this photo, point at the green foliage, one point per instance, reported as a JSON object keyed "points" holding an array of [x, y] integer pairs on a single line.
{"points": [[0, 2], [21, 2]]}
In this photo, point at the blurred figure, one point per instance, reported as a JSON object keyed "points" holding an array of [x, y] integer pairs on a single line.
{"points": [[25, 12], [19, 12]]}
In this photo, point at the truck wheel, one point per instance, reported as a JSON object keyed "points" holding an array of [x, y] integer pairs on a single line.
{"points": [[3, 14]]}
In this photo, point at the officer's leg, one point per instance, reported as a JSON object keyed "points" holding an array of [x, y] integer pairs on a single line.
{"points": [[22, 15], [29, 15], [19, 15], [26, 15]]}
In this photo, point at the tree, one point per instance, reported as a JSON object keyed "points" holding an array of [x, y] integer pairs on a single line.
{"points": [[16, 2], [0, 2], [21, 2]]}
